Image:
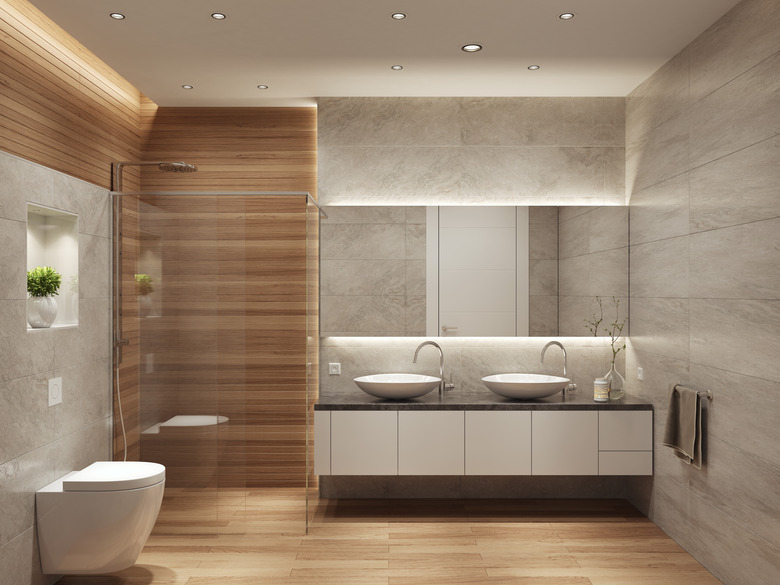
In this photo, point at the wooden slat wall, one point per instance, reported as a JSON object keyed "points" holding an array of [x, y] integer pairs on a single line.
{"points": [[60, 105], [231, 336]]}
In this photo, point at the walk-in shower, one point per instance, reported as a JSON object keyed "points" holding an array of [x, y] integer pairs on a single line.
{"points": [[216, 333]]}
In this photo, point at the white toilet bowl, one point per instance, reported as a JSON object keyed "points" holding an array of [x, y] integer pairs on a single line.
{"points": [[97, 520]]}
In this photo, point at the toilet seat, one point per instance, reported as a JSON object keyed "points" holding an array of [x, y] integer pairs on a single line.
{"points": [[107, 476]]}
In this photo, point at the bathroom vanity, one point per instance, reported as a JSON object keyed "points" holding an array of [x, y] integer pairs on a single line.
{"points": [[482, 434]]}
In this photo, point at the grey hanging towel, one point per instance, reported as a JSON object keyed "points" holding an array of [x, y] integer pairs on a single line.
{"points": [[683, 425]]}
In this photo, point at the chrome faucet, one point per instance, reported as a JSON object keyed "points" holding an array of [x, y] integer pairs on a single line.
{"points": [[570, 387], [441, 361]]}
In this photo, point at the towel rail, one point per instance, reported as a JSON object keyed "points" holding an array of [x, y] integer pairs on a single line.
{"points": [[704, 394]]}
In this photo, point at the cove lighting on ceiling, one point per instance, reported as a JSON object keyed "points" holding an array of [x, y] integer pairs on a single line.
{"points": [[471, 48]]}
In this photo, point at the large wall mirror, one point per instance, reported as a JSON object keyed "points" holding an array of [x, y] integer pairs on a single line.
{"points": [[472, 270]]}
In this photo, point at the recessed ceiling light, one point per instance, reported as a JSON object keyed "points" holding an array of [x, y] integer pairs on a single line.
{"points": [[533, 67], [218, 16], [398, 15], [397, 67], [186, 86], [566, 16], [262, 87], [117, 16], [471, 48]]}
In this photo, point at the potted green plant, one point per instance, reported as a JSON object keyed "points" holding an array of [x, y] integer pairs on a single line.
{"points": [[144, 287], [43, 283], [617, 382]]}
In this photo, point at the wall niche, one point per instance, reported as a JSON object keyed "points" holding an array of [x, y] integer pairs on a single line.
{"points": [[53, 240]]}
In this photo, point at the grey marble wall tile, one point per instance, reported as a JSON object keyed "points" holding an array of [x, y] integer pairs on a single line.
{"points": [[614, 128], [388, 121], [416, 214], [572, 312], [415, 315], [90, 340], [731, 551], [574, 276], [738, 188], [608, 228], [736, 335], [661, 326], [20, 478], [543, 214], [415, 278], [354, 241], [13, 259], [415, 242], [20, 562], [25, 416], [362, 277], [403, 175], [660, 269], [365, 214], [543, 316], [94, 266], [362, 315], [22, 352], [567, 212], [86, 396], [574, 236], [741, 402], [542, 242], [494, 172], [600, 274], [661, 96], [660, 154], [732, 262], [83, 447], [90, 202], [20, 182], [543, 278], [745, 36], [571, 171], [724, 484], [739, 114], [661, 211]]}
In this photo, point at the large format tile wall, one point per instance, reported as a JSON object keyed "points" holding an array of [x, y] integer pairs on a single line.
{"points": [[453, 151], [39, 443], [703, 171]]}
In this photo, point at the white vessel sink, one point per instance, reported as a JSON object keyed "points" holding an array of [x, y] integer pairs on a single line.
{"points": [[397, 386], [525, 386]]}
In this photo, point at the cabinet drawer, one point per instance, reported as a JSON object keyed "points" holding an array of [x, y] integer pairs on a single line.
{"points": [[626, 430], [498, 443], [430, 443], [626, 463], [364, 442], [565, 442]]}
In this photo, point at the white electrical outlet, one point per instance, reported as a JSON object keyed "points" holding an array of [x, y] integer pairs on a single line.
{"points": [[55, 391], [640, 373], [334, 369]]}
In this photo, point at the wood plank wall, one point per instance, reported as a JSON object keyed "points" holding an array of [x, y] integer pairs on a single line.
{"points": [[231, 284], [60, 105]]}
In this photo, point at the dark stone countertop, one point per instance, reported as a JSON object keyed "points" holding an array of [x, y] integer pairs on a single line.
{"points": [[579, 400]]}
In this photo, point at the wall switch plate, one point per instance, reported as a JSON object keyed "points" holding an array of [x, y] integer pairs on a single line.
{"points": [[55, 391], [334, 369], [640, 373]]}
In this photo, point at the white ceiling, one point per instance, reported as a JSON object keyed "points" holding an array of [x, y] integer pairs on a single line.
{"points": [[303, 49]]}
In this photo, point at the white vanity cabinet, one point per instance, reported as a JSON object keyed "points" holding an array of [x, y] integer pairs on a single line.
{"points": [[498, 442], [626, 442], [565, 442], [430, 442], [363, 442]]}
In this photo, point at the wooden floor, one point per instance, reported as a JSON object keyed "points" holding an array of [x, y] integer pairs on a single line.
{"points": [[257, 538]]}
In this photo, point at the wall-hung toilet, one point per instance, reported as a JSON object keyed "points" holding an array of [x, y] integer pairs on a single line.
{"points": [[97, 520]]}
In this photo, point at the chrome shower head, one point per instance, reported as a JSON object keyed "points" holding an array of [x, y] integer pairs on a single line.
{"points": [[177, 167]]}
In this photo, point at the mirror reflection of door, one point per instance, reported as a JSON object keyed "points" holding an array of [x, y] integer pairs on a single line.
{"points": [[482, 271]]}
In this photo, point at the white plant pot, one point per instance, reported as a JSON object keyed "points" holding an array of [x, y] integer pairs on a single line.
{"points": [[41, 311]]}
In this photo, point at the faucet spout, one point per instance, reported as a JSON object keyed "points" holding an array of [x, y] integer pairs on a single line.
{"points": [[563, 349], [441, 361]]}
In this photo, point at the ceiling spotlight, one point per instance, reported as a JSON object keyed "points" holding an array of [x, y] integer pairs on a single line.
{"points": [[471, 48], [186, 86], [397, 67], [262, 87], [117, 16], [566, 16], [398, 15], [533, 67], [218, 16]]}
